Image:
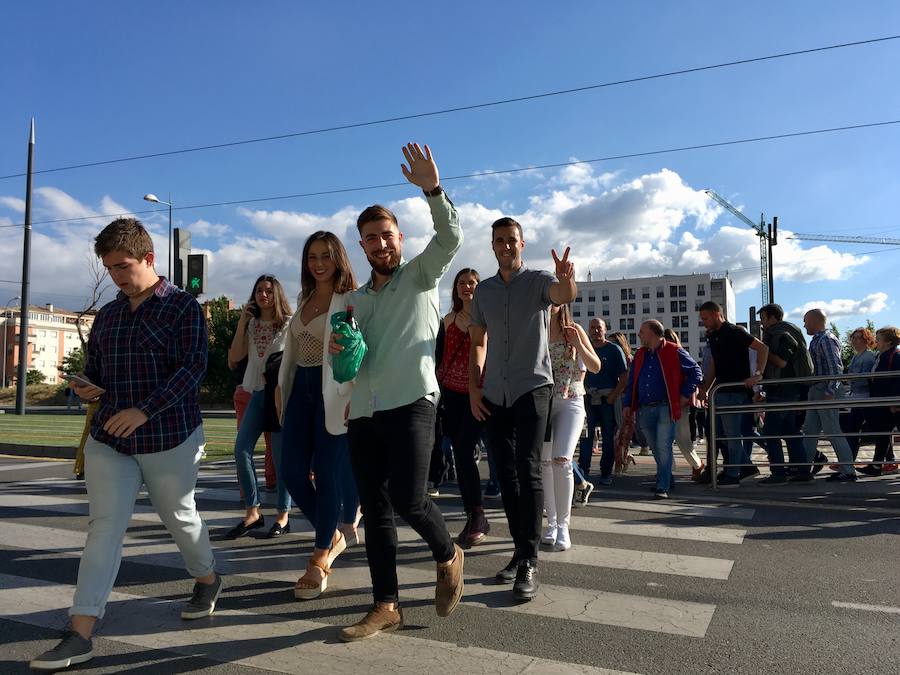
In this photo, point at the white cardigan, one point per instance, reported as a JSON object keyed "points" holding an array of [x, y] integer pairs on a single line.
{"points": [[335, 395]]}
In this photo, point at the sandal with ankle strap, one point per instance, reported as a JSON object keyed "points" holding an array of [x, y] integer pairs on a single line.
{"points": [[309, 590], [338, 546]]}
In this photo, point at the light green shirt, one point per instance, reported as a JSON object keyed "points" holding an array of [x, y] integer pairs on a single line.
{"points": [[400, 322]]}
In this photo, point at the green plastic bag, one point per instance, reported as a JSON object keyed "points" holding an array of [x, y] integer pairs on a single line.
{"points": [[345, 365]]}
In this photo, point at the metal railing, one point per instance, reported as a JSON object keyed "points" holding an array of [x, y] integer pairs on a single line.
{"points": [[802, 404]]}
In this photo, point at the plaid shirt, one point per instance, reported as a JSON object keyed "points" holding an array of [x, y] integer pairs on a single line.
{"points": [[152, 359], [825, 351]]}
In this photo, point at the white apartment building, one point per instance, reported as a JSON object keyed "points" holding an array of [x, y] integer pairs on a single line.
{"points": [[52, 334], [674, 300]]}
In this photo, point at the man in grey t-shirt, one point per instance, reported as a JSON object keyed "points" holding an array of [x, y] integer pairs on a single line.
{"points": [[513, 309]]}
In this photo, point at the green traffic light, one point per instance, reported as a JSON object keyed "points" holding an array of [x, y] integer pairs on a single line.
{"points": [[195, 282]]}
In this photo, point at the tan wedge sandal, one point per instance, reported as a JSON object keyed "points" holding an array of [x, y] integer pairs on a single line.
{"points": [[309, 590]]}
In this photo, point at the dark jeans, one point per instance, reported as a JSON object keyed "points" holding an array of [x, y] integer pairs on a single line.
{"points": [[882, 419], [603, 416], [464, 431], [783, 422], [307, 446], [516, 434], [390, 452], [854, 424]]}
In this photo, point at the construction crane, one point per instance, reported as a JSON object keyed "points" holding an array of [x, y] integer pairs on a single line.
{"points": [[844, 239], [768, 237]]}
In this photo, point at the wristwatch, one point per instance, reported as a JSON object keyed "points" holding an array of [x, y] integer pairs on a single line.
{"points": [[434, 193]]}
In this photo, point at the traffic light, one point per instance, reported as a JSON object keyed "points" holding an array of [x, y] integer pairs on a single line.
{"points": [[182, 243], [196, 273]]}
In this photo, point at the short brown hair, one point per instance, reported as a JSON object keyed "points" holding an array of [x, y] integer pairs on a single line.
{"points": [[375, 212], [124, 234], [506, 221], [710, 306], [773, 310], [866, 335], [890, 334]]}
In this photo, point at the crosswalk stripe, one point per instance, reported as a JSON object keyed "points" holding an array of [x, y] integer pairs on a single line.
{"points": [[630, 611], [719, 535], [594, 556], [288, 645], [701, 510]]}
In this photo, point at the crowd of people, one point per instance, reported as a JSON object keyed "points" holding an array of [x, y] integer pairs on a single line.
{"points": [[506, 367]]}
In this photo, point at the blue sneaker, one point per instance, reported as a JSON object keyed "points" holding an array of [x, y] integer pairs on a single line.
{"points": [[72, 649]]}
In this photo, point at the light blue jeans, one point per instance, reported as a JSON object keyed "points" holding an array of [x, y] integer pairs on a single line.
{"points": [[113, 481], [656, 423], [249, 433], [829, 422]]}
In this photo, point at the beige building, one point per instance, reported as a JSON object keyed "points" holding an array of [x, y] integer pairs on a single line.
{"points": [[52, 335], [673, 300]]}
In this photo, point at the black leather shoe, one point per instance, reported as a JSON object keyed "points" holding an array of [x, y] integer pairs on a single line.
{"points": [[526, 585], [278, 529], [508, 573], [819, 462], [241, 530]]}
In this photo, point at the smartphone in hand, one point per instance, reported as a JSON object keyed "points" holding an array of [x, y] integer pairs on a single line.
{"points": [[83, 381]]}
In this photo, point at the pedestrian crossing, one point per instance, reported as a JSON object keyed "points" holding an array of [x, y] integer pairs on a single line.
{"points": [[649, 543]]}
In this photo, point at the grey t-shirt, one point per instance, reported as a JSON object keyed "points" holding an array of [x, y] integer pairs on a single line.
{"points": [[516, 317]]}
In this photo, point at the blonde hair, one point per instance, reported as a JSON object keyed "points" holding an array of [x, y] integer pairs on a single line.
{"points": [[890, 334]]}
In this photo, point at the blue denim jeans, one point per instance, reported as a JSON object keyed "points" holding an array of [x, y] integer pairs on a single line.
{"points": [[602, 415], [732, 425], [113, 481], [829, 422], [659, 429], [248, 435], [307, 446]]}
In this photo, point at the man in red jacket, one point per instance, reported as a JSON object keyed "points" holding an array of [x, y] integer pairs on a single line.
{"points": [[662, 378]]}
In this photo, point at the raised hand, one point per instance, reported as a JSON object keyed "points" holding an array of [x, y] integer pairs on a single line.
{"points": [[422, 170], [564, 269], [570, 333]]}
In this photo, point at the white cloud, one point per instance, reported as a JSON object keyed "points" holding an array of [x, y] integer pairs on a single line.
{"points": [[842, 308], [14, 203], [203, 228]]}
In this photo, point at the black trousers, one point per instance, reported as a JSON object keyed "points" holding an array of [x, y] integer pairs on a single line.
{"points": [[390, 453], [516, 433], [464, 431]]}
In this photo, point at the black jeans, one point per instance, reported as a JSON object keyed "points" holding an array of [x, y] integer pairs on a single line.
{"points": [[516, 434], [854, 424], [390, 453], [464, 431], [882, 419], [779, 422]]}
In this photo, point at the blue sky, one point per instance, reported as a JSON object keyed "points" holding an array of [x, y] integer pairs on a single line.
{"points": [[111, 79]]}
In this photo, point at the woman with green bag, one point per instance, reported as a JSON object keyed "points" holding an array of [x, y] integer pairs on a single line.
{"points": [[312, 405]]}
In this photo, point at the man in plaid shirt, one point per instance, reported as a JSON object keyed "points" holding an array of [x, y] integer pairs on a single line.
{"points": [[825, 350], [146, 356]]}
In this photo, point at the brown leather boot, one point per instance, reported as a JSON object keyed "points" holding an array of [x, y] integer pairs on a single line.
{"points": [[449, 587], [378, 620]]}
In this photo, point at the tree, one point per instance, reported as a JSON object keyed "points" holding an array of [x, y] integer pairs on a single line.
{"points": [[34, 376], [99, 286], [222, 323], [73, 362]]}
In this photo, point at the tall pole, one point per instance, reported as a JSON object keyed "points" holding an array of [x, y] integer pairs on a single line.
{"points": [[169, 273], [26, 272], [772, 241]]}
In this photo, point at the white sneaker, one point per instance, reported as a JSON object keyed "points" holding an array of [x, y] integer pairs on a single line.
{"points": [[563, 543], [549, 538]]}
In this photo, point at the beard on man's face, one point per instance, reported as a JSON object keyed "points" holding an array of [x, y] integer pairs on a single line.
{"points": [[386, 265]]}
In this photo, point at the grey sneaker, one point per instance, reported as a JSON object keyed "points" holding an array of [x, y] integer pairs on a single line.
{"points": [[71, 650], [203, 600]]}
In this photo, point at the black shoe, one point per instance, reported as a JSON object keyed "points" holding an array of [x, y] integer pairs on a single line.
{"points": [[841, 477], [802, 478], [870, 470], [508, 573], [820, 461], [277, 530], [774, 479], [203, 599], [241, 530], [73, 649], [526, 585], [705, 477], [729, 481], [747, 471]]}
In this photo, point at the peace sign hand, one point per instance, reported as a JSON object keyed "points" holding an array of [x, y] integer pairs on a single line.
{"points": [[422, 170], [564, 269]]}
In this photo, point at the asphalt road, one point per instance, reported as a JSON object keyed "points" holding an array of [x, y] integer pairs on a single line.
{"points": [[791, 579]]}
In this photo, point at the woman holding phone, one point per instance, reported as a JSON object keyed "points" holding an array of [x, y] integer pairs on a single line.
{"points": [[312, 408], [260, 333]]}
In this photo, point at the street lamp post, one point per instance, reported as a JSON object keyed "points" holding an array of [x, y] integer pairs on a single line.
{"points": [[5, 330], [153, 198]]}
